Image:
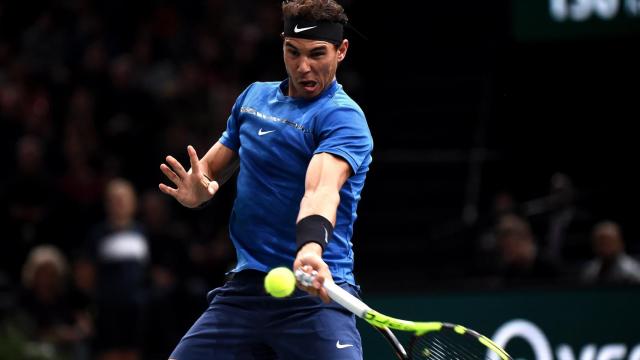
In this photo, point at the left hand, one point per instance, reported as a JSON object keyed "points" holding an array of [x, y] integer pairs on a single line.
{"points": [[309, 259]]}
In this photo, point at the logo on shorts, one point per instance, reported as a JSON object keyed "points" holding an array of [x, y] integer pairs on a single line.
{"points": [[342, 346]]}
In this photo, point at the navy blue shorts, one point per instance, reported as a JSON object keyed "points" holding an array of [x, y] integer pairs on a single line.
{"points": [[243, 322]]}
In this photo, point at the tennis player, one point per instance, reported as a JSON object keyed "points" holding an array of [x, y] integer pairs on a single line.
{"points": [[303, 148]]}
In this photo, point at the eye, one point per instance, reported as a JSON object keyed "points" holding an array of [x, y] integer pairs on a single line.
{"points": [[317, 55], [293, 52]]}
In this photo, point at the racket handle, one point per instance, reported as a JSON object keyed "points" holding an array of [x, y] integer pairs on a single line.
{"points": [[342, 297], [336, 293]]}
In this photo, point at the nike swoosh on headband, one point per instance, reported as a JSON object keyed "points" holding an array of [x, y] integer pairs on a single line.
{"points": [[297, 29]]}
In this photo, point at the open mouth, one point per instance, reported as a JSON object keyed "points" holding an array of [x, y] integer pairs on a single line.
{"points": [[308, 85]]}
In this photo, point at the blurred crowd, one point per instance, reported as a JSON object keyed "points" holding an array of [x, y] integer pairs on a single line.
{"points": [[554, 240], [95, 262], [93, 95]]}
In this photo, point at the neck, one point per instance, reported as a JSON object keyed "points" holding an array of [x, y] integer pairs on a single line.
{"points": [[120, 223]]}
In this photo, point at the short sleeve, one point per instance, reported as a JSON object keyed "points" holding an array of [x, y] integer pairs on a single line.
{"points": [[344, 132], [231, 136]]}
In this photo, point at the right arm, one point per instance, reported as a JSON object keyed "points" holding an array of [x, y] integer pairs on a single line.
{"points": [[201, 182]]}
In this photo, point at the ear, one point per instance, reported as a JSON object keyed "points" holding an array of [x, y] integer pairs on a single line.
{"points": [[342, 50]]}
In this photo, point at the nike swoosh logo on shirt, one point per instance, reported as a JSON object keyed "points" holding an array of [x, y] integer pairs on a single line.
{"points": [[260, 132], [297, 29], [342, 346]]}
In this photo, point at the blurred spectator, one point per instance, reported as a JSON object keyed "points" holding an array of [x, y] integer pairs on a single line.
{"points": [[611, 264], [81, 184], [37, 115], [564, 222], [129, 117], [12, 102], [166, 308], [43, 43], [486, 251], [27, 195], [46, 312], [119, 251], [522, 262], [166, 237], [563, 211], [92, 72]]}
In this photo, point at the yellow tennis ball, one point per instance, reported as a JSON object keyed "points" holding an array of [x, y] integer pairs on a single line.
{"points": [[280, 282]]}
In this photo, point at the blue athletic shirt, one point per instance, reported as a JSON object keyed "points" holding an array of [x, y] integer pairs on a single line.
{"points": [[275, 136]]}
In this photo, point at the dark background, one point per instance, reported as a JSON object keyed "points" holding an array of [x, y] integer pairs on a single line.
{"points": [[451, 78]]}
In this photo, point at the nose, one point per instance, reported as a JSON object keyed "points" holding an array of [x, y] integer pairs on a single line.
{"points": [[303, 65]]}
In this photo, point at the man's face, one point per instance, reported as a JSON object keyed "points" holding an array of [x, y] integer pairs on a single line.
{"points": [[607, 243], [311, 65], [120, 202]]}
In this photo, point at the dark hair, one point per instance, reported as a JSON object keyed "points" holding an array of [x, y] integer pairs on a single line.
{"points": [[314, 10]]}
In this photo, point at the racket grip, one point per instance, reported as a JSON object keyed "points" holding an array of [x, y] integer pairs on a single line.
{"points": [[348, 301], [336, 293]]}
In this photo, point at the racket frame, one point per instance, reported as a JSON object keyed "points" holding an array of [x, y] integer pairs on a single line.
{"points": [[383, 322]]}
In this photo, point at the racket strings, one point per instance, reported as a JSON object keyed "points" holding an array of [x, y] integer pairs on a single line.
{"points": [[443, 345]]}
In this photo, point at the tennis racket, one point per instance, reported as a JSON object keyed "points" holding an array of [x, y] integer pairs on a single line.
{"points": [[430, 340]]}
